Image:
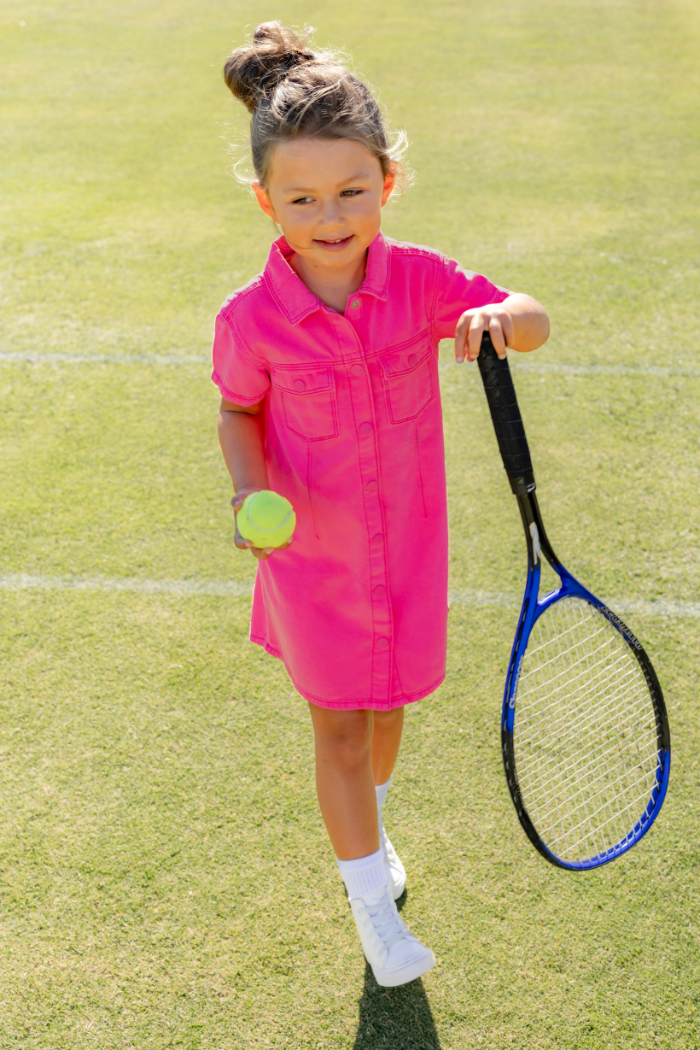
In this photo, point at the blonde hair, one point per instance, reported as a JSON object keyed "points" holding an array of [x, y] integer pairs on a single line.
{"points": [[292, 91]]}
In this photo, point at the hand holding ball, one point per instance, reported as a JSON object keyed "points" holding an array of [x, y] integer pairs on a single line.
{"points": [[266, 519]]}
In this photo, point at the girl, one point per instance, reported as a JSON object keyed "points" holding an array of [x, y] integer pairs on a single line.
{"points": [[327, 366]]}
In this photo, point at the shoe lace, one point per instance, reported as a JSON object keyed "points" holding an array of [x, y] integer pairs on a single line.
{"points": [[385, 920]]}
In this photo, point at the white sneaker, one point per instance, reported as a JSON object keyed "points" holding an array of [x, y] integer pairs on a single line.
{"points": [[395, 955], [396, 868]]}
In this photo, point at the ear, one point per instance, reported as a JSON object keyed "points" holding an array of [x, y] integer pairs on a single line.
{"points": [[389, 183], [263, 200]]}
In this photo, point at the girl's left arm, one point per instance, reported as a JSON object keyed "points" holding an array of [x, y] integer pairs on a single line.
{"points": [[519, 323]]}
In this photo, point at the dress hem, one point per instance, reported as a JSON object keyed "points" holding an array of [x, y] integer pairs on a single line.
{"points": [[351, 705]]}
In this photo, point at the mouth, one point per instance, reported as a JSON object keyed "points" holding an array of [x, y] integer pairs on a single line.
{"points": [[335, 244]]}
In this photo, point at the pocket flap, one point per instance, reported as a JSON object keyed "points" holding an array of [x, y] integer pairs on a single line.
{"points": [[302, 380], [404, 359]]}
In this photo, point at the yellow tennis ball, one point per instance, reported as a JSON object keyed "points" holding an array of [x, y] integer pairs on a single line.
{"points": [[267, 519]]}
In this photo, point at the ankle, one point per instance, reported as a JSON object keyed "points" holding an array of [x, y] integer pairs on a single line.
{"points": [[364, 874]]}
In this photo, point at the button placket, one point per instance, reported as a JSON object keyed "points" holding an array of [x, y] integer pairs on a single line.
{"points": [[382, 625]]}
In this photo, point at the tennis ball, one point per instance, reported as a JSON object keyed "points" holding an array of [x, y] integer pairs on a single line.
{"points": [[267, 519]]}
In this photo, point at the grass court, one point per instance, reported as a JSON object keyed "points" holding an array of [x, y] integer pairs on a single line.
{"points": [[165, 878]]}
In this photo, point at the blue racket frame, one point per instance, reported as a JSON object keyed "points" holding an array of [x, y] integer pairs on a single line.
{"points": [[512, 443], [532, 608]]}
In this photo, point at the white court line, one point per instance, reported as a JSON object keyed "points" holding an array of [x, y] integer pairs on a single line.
{"points": [[553, 368], [542, 368], [35, 358], [605, 370], [21, 581], [634, 606]]}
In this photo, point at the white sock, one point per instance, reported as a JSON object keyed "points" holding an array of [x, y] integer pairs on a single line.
{"points": [[364, 874], [382, 791]]}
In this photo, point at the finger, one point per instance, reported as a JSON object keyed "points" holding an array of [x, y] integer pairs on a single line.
{"points": [[461, 336], [497, 337], [242, 544], [507, 326], [475, 332], [259, 552]]}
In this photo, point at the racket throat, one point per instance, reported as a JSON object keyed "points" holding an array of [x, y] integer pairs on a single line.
{"points": [[522, 484], [535, 541], [535, 535]]}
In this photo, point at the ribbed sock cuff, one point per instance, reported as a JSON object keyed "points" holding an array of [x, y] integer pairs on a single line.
{"points": [[364, 874]]}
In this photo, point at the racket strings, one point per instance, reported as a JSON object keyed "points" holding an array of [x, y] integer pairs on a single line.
{"points": [[585, 736], [595, 679], [593, 810], [611, 705], [594, 805]]}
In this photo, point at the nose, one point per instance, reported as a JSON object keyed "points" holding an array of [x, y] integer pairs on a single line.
{"points": [[330, 214]]}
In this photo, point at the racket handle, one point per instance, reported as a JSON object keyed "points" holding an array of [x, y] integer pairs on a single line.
{"points": [[507, 421]]}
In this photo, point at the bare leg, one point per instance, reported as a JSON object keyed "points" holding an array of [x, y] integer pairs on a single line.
{"points": [[388, 726], [344, 780]]}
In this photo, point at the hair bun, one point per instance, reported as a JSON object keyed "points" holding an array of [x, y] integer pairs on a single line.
{"points": [[253, 72]]}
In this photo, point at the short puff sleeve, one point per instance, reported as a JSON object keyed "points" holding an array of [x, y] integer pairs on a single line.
{"points": [[240, 377], [460, 290]]}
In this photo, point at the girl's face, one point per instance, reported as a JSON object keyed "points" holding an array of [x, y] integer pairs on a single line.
{"points": [[327, 195]]}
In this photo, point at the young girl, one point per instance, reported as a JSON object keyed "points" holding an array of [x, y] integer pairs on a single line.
{"points": [[327, 366]]}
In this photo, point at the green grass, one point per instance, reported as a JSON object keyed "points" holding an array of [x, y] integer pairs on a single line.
{"points": [[165, 877]]}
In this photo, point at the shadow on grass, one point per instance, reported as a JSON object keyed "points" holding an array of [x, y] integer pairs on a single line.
{"points": [[395, 1018]]}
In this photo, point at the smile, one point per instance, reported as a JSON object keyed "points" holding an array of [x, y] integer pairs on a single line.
{"points": [[335, 245]]}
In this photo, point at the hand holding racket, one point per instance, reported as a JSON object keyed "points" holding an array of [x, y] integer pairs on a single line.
{"points": [[584, 730]]}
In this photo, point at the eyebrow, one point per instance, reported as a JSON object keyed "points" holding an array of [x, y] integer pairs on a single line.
{"points": [[307, 189]]}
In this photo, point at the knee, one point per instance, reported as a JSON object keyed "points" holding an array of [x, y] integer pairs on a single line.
{"points": [[386, 720], [346, 738]]}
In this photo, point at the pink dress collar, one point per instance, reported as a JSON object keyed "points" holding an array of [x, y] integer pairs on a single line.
{"points": [[293, 297]]}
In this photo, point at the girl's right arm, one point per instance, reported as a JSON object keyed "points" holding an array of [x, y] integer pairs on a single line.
{"points": [[242, 443]]}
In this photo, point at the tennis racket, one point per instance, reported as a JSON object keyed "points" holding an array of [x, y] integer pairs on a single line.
{"points": [[584, 731]]}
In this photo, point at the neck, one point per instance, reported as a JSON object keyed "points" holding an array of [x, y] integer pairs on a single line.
{"points": [[332, 285]]}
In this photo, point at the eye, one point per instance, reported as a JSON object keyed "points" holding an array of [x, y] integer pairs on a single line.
{"points": [[302, 200], [351, 193]]}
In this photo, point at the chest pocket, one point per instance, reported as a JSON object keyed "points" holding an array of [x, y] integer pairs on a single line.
{"points": [[408, 379], [308, 401]]}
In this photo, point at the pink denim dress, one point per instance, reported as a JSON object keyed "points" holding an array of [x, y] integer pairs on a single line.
{"points": [[357, 606]]}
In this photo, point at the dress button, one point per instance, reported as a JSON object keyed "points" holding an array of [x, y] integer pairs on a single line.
{"points": [[357, 370], [376, 540], [355, 303], [411, 359], [382, 643], [371, 486], [365, 428], [379, 591], [299, 384]]}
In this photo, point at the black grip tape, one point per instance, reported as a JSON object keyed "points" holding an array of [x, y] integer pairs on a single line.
{"points": [[505, 413]]}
